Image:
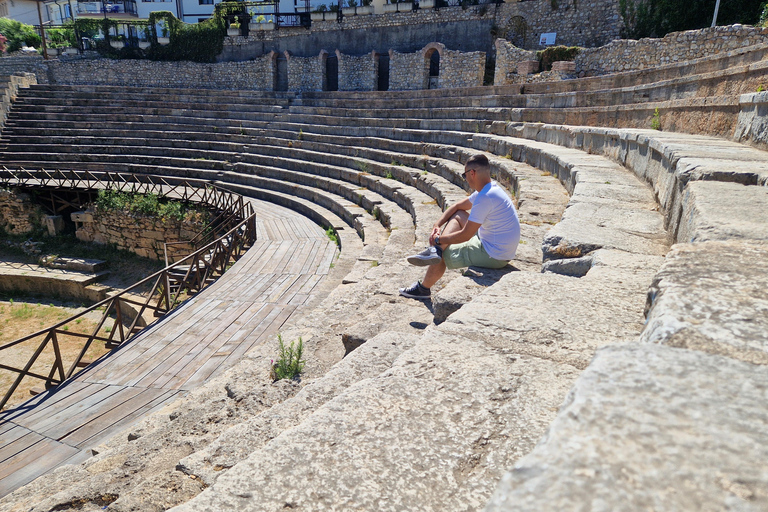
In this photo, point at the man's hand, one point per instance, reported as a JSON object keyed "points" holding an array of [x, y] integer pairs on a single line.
{"points": [[435, 232]]}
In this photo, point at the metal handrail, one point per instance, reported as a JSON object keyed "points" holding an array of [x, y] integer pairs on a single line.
{"points": [[191, 274]]}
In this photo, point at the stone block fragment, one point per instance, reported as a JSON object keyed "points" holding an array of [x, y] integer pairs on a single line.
{"points": [[649, 427], [713, 297]]}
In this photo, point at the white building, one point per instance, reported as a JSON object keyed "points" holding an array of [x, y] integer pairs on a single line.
{"points": [[24, 11]]}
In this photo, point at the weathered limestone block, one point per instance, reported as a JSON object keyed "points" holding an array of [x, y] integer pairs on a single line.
{"points": [[527, 67], [235, 444], [472, 396], [650, 427], [723, 211], [713, 297], [564, 66]]}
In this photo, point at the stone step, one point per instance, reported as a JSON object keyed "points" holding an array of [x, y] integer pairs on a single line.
{"points": [[707, 188], [139, 107], [705, 346], [57, 125], [235, 444], [83, 91], [170, 116], [721, 61], [470, 398]]}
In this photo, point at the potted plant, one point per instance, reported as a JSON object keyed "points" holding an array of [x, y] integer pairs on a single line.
{"points": [[319, 13], [234, 29], [117, 42]]}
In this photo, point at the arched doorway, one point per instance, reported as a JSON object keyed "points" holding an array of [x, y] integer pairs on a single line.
{"points": [[434, 69]]}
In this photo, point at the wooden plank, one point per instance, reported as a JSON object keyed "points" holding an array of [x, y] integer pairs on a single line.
{"points": [[83, 416], [16, 441], [114, 413], [167, 397], [28, 465], [271, 330], [151, 360], [71, 393], [63, 415], [115, 368], [266, 317], [176, 361], [195, 358]]}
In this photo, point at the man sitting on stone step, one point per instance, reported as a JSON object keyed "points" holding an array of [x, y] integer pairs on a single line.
{"points": [[482, 231]]}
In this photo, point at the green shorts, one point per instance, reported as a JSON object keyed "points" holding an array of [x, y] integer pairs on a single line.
{"points": [[470, 254]]}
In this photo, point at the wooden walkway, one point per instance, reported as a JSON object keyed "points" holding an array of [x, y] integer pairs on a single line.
{"points": [[197, 341]]}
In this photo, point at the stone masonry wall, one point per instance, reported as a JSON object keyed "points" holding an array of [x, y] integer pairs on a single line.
{"points": [[407, 71], [459, 69], [357, 73], [141, 234], [306, 73], [507, 58], [255, 74], [632, 55], [18, 213], [577, 23]]}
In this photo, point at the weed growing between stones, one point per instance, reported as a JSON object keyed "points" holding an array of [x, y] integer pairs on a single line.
{"points": [[289, 364], [656, 120], [332, 235], [389, 175], [760, 87]]}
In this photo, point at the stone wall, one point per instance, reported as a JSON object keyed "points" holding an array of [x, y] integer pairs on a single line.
{"points": [[407, 71], [10, 90], [141, 234], [508, 56], [457, 69], [577, 23], [254, 74], [307, 73], [630, 55], [19, 215], [460, 69], [357, 73]]}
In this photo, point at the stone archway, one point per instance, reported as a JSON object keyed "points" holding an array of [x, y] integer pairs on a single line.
{"points": [[432, 57]]}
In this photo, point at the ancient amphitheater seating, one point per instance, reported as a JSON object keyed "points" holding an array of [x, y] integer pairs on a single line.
{"points": [[552, 373]]}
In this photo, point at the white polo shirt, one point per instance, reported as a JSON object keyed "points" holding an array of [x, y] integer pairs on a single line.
{"points": [[499, 226]]}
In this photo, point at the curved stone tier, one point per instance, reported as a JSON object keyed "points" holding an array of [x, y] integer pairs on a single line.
{"points": [[621, 371]]}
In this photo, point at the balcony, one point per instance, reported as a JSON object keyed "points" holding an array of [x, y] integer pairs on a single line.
{"points": [[119, 9]]}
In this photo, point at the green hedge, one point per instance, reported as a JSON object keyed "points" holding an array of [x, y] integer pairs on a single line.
{"points": [[556, 53]]}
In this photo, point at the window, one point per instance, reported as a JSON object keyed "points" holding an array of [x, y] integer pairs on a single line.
{"points": [[205, 2]]}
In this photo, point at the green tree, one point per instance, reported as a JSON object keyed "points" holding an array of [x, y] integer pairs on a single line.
{"points": [[656, 18], [18, 34]]}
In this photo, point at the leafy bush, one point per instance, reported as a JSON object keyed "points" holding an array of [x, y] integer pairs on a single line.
{"points": [[657, 18], [18, 34], [146, 204], [61, 37], [554, 54]]}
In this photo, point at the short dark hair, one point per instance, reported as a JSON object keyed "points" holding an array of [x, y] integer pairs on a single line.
{"points": [[478, 162]]}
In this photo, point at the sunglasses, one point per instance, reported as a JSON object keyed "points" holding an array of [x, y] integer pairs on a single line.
{"points": [[465, 173]]}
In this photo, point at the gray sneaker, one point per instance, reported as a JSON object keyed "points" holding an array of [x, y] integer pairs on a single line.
{"points": [[416, 291], [430, 256]]}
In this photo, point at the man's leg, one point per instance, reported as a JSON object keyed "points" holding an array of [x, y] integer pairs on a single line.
{"points": [[435, 272]]}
